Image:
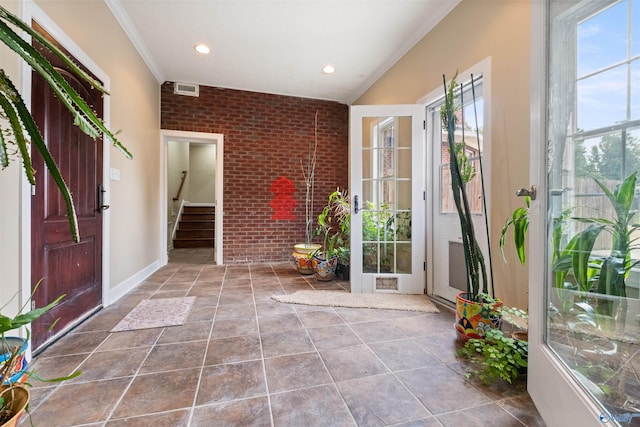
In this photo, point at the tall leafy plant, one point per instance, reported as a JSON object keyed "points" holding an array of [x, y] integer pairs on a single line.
{"points": [[461, 173], [603, 274], [18, 130]]}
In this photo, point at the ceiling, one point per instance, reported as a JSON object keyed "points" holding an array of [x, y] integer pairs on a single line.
{"points": [[276, 46]]}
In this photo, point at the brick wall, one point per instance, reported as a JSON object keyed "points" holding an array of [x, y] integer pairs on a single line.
{"points": [[265, 137]]}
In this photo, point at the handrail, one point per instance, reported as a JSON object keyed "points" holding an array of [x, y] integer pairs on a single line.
{"points": [[184, 176]]}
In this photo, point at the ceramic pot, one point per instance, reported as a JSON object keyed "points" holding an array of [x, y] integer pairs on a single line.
{"points": [[324, 270], [17, 400], [473, 319], [301, 257]]}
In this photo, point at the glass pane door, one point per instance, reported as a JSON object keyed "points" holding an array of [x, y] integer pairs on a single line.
{"points": [[387, 181], [590, 316]]}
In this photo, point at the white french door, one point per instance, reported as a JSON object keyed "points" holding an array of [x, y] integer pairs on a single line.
{"points": [[585, 125], [387, 198]]}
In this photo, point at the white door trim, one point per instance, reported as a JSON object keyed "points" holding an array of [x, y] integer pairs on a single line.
{"points": [[202, 138]]}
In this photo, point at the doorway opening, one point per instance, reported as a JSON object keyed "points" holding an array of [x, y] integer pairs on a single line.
{"points": [[192, 164]]}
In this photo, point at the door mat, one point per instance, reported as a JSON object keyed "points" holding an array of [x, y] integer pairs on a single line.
{"points": [[386, 301], [156, 313]]}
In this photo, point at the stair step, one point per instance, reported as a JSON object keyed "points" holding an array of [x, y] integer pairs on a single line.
{"points": [[197, 217], [192, 243], [199, 209], [195, 225], [202, 233]]}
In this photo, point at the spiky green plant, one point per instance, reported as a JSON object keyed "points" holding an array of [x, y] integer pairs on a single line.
{"points": [[474, 259], [18, 130]]}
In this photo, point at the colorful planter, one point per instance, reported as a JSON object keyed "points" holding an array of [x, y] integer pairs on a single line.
{"points": [[324, 270], [301, 257], [7, 345], [473, 319]]}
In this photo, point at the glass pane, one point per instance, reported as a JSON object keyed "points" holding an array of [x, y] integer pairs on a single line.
{"points": [[368, 126], [592, 278], [602, 99], [602, 41], [404, 163], [403, 258], [404, 132], [634, 114], [367, 164], [386, 192], [404, 195], [369, 258], [635, 28]]}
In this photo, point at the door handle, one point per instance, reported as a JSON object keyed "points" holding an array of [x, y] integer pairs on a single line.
{"points": [[356, 209], [101, 205], [532, 192]]}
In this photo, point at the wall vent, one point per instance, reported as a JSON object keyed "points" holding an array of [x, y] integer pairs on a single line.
{"points": [[188, 89]]}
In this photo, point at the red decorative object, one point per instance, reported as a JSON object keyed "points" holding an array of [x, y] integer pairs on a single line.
{"points": [[283, 201]]}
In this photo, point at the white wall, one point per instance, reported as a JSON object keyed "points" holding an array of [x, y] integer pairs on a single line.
{"points": [[202, 171], [177, 161]]}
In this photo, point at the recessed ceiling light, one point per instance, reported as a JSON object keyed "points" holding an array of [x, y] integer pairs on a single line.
{"points": [[202, 48], [328, 69]]}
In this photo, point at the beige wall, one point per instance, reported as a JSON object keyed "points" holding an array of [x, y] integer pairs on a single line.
{"points": [[135, 95], [135, 109], [473, 31]]}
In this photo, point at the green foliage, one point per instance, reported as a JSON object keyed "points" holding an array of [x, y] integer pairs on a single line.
{"points": [[16, 116], [334, 225], [605, 160], [601, 274], [499, 356], [11, 323], [519, 220], [474, 259]]}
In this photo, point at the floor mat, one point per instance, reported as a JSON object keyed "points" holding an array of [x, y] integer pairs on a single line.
{"points": [[156, 313]]}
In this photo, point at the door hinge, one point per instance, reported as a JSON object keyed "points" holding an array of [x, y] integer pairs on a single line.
{"points": [[33, 189], [424, 266], [424, 124], [33, 305], [424, 195]]}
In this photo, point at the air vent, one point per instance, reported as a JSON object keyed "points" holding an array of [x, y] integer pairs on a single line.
{"points": [[186, 89]]}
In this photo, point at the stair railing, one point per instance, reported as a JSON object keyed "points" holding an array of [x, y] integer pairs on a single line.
{"points": [[177, 220], [184, 177]]}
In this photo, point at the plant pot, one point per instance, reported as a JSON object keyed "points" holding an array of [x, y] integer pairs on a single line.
{"points": [[473, 319], [16, 401], [301, 257], [346, 272], [6, 347], [324, 270], [520, 335]]}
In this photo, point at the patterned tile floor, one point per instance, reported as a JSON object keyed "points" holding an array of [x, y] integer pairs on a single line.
{"points": [[243, 359]]}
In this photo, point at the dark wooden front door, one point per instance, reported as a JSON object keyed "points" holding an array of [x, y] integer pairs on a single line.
{"points": [[74, 269]]}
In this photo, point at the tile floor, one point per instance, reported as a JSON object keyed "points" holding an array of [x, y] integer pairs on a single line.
{"points": [[243, 359]]}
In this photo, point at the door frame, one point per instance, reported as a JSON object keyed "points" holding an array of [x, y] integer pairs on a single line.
{"points": [[200, 138], [557, 395], [482, 68], [365, 282], [30, 11]]}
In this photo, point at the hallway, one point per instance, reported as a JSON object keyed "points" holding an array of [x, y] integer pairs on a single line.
{"points": [[243, 359]]}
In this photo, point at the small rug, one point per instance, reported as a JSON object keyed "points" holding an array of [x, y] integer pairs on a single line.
{"points": [[355, 300], [156, 313]]}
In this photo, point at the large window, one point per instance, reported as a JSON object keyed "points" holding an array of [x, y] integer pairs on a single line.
{"points": [[593, 315]]}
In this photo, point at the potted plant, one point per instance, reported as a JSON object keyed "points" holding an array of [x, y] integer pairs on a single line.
{"points": [[14, 394], [341, 207], [496, 357], [18, 131], [303, 252], [476, 310], [325, 259]]}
